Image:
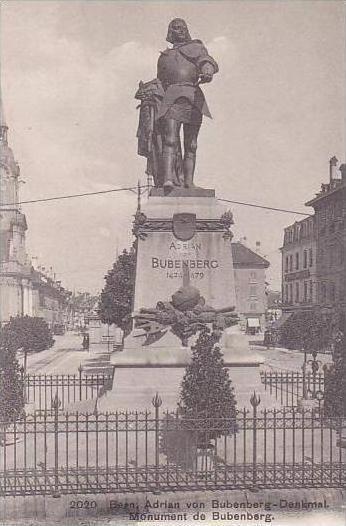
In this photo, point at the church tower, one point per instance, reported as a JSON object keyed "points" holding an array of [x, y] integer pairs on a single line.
{"points": [[15, 272]]}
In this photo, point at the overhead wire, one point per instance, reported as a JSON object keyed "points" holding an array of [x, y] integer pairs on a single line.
{"points": [[69, 196], [264, 207], [136, 188]]}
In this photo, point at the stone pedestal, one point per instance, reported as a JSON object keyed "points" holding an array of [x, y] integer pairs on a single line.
{"points": [[182, 238], [140, 372]]}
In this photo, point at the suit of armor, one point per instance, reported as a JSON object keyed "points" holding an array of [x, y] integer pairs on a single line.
{"points": [[177, 100], [180, 70]]}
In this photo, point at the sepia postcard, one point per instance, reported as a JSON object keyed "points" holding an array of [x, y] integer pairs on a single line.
{"points": [[172, 263]]}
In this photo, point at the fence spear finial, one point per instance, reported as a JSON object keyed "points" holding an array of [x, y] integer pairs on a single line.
{"points": [[157, 401], [255, 400], [56, 403]]}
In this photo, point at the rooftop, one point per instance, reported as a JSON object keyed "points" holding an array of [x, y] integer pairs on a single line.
{"points": [[247, 258], [335, 184]]}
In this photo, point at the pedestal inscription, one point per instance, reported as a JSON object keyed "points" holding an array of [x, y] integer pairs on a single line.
{"points": [[166, 260]]}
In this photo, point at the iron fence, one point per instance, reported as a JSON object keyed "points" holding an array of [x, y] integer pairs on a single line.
{"points": [[40, 390], [80, 453], [289, 387]]}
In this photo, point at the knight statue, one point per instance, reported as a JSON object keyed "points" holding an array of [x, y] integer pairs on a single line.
{"points": [[171, 102]]}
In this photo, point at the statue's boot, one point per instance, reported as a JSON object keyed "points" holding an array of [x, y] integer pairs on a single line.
{"points": [[168, 159], [189, 169]]}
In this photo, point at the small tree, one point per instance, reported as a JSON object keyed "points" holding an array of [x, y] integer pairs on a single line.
{"points": [[30, 334], [11, 386], [116, 298], [206, 409], [206, 390], [310, 330]]}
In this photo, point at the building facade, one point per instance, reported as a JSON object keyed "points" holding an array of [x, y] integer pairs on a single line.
{"points": [[250, 286], [15, 271], [313, 251], [50, 300], [23, 289], [299, 256], [330, 220]]}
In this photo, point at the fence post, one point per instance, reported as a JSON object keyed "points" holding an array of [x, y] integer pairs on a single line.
{"points": [[314, 367], [23, 380], [305, 394], [56, 404], [80, 381], [157, 402], [255, 401]]}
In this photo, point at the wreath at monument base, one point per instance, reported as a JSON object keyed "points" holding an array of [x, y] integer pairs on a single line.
{"points": [[185, 315]]}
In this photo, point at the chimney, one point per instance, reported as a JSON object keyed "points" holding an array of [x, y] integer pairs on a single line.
{"points": [[343, 172], [258, 246], [332, 168]]}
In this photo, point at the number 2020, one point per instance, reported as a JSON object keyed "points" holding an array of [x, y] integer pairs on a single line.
{"points": [[82, 504]]}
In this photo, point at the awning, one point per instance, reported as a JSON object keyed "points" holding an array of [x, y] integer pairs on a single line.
{"points": [[253, 322]]}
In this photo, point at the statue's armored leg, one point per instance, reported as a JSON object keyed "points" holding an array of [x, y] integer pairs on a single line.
{"points": [[170, 142], [190, 148]]}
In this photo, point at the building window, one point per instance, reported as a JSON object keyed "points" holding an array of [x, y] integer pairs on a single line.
{"points": [[310, 258], [253, 275], [332, 291], [311, 291], [253, 290], [291, 293], [297, 292], [253, 306], [291, 263], [322, 221], [305, 291], [286, 294], [331, 256], [323, 293], [286, 264], [305, 259], [297, 260]]}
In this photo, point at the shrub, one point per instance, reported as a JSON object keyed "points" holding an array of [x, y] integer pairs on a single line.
{"points": [[206, 390], [308, 330], [31, 334], [11, 386], [335, 376]]}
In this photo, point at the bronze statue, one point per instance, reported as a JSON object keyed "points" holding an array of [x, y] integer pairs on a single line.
{"points": [[171, 101], [185, 315]]}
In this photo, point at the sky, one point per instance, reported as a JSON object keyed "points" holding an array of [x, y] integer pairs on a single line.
{"points": [[69, 72]]}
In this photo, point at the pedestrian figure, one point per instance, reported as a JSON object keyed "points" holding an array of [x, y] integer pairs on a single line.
{"points": [[268, 338], [86, 342]]}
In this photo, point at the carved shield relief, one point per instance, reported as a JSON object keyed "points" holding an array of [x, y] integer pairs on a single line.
{"points": [[184, 226]]}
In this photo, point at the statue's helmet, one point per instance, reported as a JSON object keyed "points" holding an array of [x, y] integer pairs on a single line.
{"points": [[178, 31], [186, 298]]}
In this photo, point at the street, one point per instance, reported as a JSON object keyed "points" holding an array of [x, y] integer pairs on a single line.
{"points": [[65, 356], [280, 359]]}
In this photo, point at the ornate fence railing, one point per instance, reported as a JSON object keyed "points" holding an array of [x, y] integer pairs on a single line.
{"points": [[289, 387], [41, 389], [65, 453]]}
